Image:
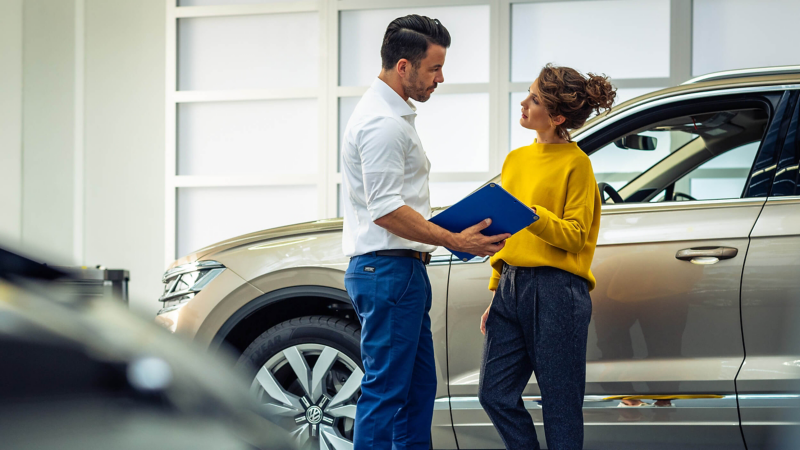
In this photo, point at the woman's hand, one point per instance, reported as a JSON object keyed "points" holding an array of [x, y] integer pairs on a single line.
{"points": [[486, 315]]}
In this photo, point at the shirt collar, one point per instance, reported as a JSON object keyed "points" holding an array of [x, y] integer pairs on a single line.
{"points": [[398, 105]]}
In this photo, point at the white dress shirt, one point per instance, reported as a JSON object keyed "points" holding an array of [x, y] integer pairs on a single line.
{"points": [[383, 168]]}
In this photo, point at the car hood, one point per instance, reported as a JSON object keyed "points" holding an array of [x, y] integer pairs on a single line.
{"points": [[260, 236]]}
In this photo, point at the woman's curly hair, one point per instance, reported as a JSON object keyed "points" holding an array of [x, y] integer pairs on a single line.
{"points": [[566, 92]]}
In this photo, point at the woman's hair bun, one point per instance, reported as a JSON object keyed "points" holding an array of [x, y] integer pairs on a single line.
{"points": [[599, 92]]}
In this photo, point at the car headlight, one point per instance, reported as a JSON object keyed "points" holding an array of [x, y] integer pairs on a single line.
{"points": [[182, 283]]}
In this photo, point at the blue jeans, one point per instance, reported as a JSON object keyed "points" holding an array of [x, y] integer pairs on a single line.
{"points": [[538, 322], [392, 297]]}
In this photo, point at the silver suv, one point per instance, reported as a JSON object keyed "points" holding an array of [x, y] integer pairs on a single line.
{"points": [[693, 337]]}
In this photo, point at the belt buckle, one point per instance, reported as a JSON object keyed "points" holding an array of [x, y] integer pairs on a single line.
{"points": [[425, 258]]}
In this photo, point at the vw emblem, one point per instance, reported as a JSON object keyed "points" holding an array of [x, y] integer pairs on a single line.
{"points": [[314, 415]]}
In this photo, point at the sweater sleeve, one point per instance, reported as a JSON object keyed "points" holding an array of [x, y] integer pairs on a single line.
{"points": [[494, 281], [570, 232]]}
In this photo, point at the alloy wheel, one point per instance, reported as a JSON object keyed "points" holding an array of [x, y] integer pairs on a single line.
{"points": [[311, 391]]}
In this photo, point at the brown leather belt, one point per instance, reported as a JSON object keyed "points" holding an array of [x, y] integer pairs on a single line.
{"points": [[424, 257]]}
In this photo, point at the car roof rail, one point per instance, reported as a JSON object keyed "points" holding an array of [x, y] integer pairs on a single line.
{"points": [[741, 73]]}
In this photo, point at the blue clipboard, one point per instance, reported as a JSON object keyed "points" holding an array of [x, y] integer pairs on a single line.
{"points": [[508, 214]]}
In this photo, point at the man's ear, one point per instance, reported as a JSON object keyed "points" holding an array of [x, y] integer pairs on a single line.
{"points": [[403, 67]]}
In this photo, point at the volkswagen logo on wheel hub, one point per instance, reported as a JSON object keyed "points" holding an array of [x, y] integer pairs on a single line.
{"points": [[314, 415]]}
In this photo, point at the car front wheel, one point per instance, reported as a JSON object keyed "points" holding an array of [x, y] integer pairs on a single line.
{"points": [[306, 376]]}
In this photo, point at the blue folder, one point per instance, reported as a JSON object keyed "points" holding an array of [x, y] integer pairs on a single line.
{"points": [[508, 214]]}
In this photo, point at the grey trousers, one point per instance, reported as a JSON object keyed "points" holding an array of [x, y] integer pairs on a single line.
{"points": [[538, 323]]}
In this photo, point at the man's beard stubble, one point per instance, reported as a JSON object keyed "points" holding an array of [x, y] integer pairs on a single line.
{"points": [[414, 90]]}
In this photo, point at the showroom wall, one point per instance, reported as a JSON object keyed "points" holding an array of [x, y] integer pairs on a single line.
{"points": [[11, 121], [124, 143], [48, 128], [37, 126], [82, 137]]}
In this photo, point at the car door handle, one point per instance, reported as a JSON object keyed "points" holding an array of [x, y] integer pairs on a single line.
{"points": [[706, 255]]}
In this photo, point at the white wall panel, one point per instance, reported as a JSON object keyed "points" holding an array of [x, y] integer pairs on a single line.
{"points": [[248, 52], [10, 121], [454, 129], [448, 193], [248, 137], [621, 38], [361, 35], [125, 125], [738, 34], [48, 129], [211, 214], [346, 107]]}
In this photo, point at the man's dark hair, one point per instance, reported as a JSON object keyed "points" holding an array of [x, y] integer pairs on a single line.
{"points": [[408, 38]]}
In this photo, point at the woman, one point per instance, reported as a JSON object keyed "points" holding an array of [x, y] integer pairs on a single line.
{"points": [[539, 315]]}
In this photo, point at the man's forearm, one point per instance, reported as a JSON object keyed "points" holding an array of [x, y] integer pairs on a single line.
{"points": [[409, 224]]}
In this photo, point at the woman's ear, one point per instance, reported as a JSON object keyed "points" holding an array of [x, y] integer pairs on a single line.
{"points": [[558, 120]]}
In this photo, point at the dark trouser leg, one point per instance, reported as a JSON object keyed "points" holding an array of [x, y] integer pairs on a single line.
{"points": [[558, 307], [391, 299], [506, 369], [412, 424]]}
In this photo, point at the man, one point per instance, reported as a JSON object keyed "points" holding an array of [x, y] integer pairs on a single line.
{"points": [[389, 239]]}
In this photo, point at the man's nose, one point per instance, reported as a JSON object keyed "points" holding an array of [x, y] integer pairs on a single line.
{"points": [[439, 78]]}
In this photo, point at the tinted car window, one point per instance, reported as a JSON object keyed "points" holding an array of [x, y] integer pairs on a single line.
{"points": [[763, 170], [786, 175]]}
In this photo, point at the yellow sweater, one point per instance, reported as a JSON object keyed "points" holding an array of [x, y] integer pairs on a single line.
{"points": [[558, 181]]}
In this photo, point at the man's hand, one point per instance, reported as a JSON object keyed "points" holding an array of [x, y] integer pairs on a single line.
{"points": [[472, 241], [409, 224], [486, 315]]}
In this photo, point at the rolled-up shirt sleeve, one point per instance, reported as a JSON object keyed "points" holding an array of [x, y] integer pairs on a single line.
{"points": [[382, 148]]}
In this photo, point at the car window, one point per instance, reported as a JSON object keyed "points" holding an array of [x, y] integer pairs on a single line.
{"points": [[617, 166], [722, 177], [701, 156]]}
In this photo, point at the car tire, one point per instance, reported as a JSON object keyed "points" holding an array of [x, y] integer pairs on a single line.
{"points": [[306, 375]]}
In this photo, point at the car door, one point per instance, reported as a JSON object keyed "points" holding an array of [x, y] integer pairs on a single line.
{"points": [[769, 382], [665, 339]]}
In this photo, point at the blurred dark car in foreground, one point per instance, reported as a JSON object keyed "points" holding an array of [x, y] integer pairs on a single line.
{"points": [[81, 372]]}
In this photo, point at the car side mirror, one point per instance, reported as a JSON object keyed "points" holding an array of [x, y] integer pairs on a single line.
{"points": [[637, 142]]}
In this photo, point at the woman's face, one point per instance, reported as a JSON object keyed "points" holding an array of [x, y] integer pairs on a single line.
{"points": [[534, 114]]}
